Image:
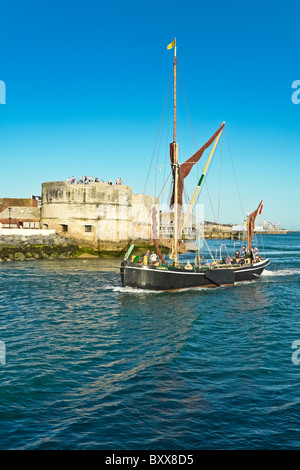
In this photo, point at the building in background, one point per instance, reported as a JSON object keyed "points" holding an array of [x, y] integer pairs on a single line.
{"points": [[19, 213]]}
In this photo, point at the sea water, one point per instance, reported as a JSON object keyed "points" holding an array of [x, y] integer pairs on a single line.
{"points": [[87, 364]]}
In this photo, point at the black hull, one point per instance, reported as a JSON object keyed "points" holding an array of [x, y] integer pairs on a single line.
{"points": [[169, 278]]}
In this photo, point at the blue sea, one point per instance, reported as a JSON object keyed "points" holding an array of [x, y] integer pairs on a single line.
{"points": [[87, 364]]}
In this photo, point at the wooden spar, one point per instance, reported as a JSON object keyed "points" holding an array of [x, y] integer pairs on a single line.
{"points": [[175, 93], [248, 234], [201, 179], [175, 162]]}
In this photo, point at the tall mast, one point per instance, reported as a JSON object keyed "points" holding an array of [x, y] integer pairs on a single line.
{"points": [[175, 91], [175, 160]]}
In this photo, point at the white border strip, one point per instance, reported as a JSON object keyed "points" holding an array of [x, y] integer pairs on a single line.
{"points": [[165, 271]]}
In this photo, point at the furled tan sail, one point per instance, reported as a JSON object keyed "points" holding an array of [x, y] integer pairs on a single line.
{"points": [[251, 223]]}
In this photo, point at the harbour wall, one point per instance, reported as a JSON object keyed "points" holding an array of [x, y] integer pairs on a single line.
{"points": [[219, 231], [232, 235], [38, 246], [95, 219]]}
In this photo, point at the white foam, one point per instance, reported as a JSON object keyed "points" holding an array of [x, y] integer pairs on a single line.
{"points": [[281, 272], [133, 290]]}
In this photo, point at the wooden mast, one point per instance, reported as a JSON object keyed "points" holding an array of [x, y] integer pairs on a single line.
{"points": [[248, 233], [175, 160], [175, 91]]}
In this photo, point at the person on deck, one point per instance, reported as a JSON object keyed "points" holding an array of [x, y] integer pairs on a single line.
{"points": [[188, 266], [228, 260], [153, 257]]}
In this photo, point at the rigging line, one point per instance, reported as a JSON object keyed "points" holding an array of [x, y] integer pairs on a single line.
{"points": [[208, 193], [158, 131], [162, 128], [262, 242], [209, 250], [158, 150], [164, 186], [187, 111], [167, 137], [214, 215], [159, 134], [186, 195], [189, 118], [194, 140], [218, 220], [219, 201], [158, 197], [256, 240], [235, 175], [145, 220]]}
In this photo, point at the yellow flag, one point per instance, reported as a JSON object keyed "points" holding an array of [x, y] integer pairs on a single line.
{"points": [[172, 44]]}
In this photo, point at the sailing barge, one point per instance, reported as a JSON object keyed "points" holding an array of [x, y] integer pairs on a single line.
{"points": [[167, 276]]}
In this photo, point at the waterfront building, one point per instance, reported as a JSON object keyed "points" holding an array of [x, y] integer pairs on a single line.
{"points": [[19, 213]]}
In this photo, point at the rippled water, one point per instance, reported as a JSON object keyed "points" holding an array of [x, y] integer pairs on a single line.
{"points": [[90, 365]]}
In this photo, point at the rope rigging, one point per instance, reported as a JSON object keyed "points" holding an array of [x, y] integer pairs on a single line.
{"points": [[157, 147]]}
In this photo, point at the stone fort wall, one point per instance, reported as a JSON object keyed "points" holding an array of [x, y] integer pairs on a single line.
{"points": [[97, 215]]}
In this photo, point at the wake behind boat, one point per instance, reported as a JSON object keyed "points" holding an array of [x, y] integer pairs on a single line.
{"points": [[164, 275]]}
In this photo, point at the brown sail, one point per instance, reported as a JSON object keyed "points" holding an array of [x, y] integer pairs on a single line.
{"points": [[251, 223], [185, 168]]}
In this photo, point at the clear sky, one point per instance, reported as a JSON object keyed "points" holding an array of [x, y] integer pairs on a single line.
{"points": [[86, 82]]}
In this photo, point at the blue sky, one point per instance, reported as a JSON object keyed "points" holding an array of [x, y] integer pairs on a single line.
{"points": [[86, 83]]}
